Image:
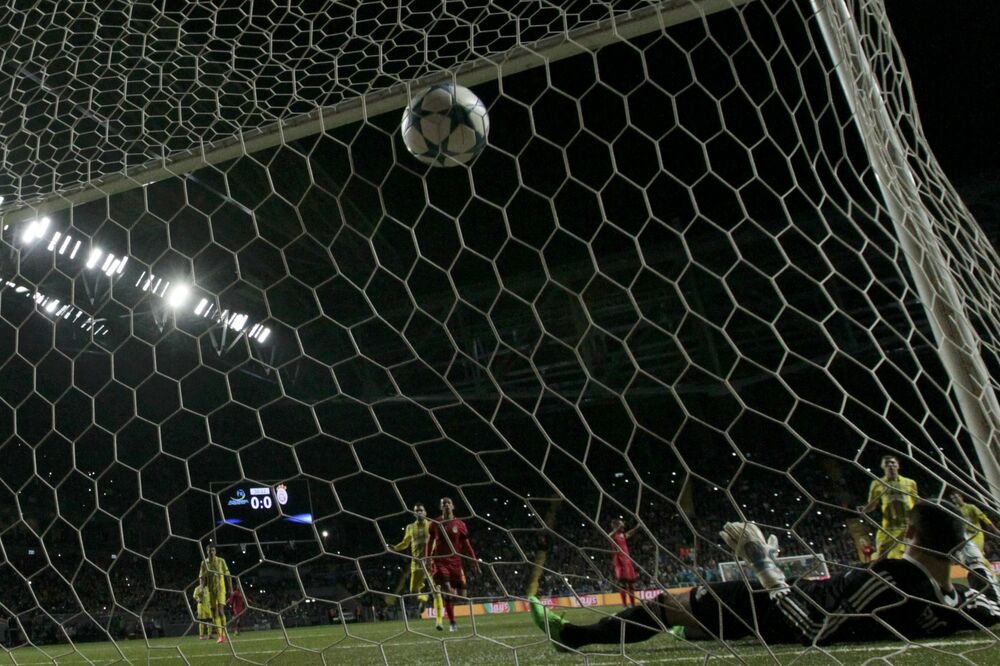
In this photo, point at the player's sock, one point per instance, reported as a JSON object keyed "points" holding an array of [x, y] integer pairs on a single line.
{"points": [[438, 609], [639, 625], [449, 609], [219, 624], [631, 595], [201, 630], [621, 593]]}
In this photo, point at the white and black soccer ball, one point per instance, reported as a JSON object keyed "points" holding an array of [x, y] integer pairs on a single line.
{"points": [[446, 125]]}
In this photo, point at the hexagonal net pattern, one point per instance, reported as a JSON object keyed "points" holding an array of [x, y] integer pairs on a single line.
{"points": [[703, 274]]}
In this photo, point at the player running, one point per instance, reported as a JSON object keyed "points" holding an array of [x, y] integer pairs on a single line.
{"points": [[415, 540], [897, 495], [624, 569], [447, 542], [910, 598], [214, 575]]}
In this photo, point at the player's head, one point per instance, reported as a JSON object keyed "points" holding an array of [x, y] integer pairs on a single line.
{"points": [[936, 528], [617, 525], [890, 465], [447, 507], [420, 511], [211, 550], [957, 497]]}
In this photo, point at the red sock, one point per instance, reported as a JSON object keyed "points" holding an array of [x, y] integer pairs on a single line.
{"points": [[449, 610], [631, 595], [624, 598]]}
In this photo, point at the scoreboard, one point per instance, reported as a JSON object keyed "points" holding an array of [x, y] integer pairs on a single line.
{"points": [[280, 511]]}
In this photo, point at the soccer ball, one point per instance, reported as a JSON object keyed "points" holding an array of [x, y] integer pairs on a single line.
{"points": [[445, 125]]}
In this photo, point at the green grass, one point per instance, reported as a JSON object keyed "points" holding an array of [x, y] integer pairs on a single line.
{"points": [[497, 639]]}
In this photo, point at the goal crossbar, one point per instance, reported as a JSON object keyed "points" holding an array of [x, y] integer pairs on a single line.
{"points": [[517, 59]]}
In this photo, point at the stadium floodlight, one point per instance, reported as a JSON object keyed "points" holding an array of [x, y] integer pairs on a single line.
{"points": [[178, 295], [35, 230], [94, 257]]}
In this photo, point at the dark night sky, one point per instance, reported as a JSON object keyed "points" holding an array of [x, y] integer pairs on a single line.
{"points": [[950, 49]]}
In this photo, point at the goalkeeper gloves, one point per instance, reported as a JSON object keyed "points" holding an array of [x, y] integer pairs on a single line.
{"points": [[748, 543]]}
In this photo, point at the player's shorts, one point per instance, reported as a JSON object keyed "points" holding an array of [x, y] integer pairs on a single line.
{"points": [[204, 612], [449, 570], [734, 609], [216, 595], [889, 543], [418, 577], [624, 570]]}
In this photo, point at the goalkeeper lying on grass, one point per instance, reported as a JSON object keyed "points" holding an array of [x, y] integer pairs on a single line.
{"points": [[910, 598]]}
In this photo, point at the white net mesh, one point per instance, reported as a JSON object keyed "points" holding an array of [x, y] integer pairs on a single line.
{"points": [[671, 289]]}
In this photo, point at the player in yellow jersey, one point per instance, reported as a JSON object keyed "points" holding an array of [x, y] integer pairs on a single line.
{"points": [[214, 575], [897, 495], [204, 612], [415, 539], [977, 521]]}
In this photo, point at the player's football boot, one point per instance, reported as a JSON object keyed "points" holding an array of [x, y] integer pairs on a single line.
{"points": [[453, 627], [549, 622], [221, 639]]}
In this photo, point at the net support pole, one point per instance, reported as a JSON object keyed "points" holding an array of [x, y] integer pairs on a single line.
{"points": [[957, 342]]}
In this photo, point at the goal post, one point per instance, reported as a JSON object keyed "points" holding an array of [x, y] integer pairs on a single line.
{"points": [[957, 342]]}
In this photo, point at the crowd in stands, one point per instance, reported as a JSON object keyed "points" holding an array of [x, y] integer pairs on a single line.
{"points": [[574, 553]]}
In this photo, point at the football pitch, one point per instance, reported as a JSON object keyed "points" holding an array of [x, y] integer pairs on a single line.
{"points": [[500, 639]]}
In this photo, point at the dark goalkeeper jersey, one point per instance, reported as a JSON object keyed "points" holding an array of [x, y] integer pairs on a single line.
{"points": [[889, 600]]}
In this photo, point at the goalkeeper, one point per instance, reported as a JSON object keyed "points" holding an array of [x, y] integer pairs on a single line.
{"points": [[909, 598]]}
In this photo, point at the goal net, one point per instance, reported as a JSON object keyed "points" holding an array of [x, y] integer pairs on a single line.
{"points": [[706, 269], [796, 566]]}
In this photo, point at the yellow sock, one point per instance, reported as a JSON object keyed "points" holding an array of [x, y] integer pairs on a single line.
{"points": [[219, 623], [438, 609], [201, 628]]}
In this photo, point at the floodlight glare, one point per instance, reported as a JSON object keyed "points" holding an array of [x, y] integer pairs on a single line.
{"points": [[95, 256], [35, 230], [178, 295]]}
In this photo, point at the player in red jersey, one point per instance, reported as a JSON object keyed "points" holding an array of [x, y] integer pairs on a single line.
{"points": [[238, 603], [624, 569], [447, 543]]}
